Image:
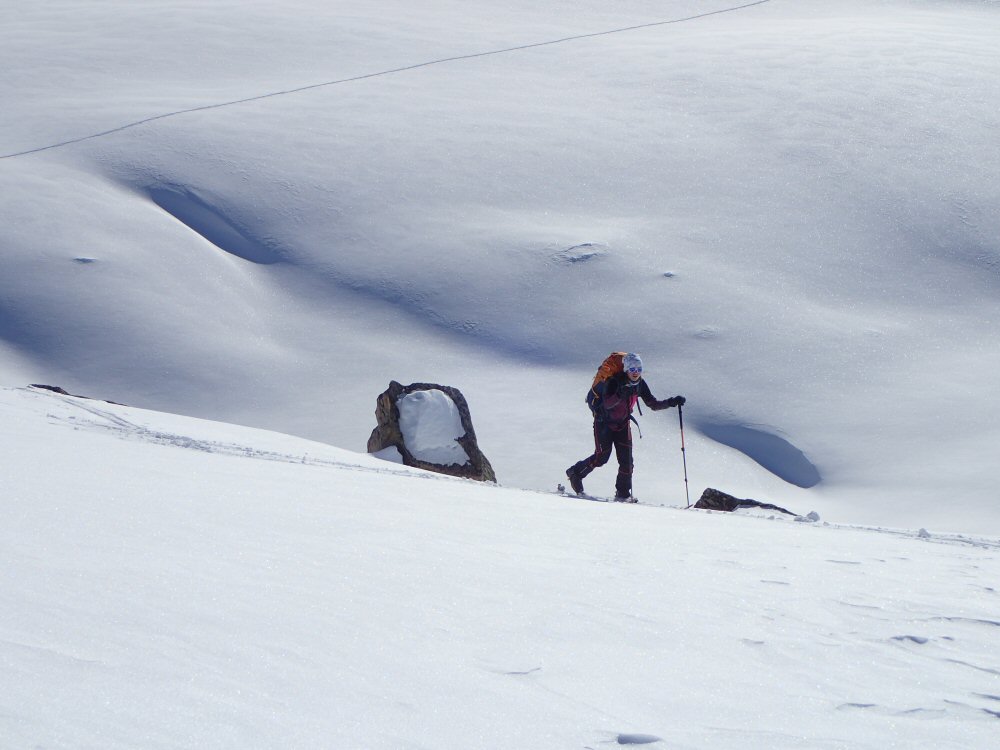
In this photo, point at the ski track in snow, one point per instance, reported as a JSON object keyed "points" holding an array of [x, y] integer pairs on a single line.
{"points": [[124, 429], [393, 71], [107, 420]]}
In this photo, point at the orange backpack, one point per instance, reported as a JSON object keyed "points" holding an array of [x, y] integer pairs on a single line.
{"points": [[611, 365]]}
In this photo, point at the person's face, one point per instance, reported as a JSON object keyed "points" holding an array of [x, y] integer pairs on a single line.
{"points": [[634, 373]]}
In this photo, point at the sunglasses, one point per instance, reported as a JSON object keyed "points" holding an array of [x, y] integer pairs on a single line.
{"points": [[634, 370]]}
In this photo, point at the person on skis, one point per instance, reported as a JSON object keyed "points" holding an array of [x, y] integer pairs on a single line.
{"points": [[612, 401]]}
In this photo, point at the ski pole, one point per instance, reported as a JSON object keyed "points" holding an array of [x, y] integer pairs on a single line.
{"points": [[687, 493]]}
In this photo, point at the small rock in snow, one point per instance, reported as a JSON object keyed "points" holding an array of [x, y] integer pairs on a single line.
{"points": [[638, 739], [924, 534]]}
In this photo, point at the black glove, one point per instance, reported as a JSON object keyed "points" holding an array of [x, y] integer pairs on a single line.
{"points": [[676, 401]]}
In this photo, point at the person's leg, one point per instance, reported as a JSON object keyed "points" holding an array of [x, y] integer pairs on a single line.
{"points": [[603, 440], [623, 450]]}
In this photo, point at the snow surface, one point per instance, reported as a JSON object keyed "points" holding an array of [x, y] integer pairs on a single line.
{"points": [[431, 424], [176, 583], [389, 454], [261, 213]]}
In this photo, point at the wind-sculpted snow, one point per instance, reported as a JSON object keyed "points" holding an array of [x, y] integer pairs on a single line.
{"points": [[212, 224], [774, 453]]}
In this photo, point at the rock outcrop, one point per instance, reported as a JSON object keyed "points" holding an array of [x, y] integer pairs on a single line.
{"points": [[712, 499], [456, 454], [63, 392]]}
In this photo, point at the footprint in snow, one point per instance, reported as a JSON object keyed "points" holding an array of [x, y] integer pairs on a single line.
{"points": [[918, 639]]}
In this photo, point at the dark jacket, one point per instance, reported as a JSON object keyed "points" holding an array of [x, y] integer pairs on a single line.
{"points": [[617, 396]]}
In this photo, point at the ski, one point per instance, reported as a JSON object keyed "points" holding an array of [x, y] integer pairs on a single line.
{"points": [[562, 490]]}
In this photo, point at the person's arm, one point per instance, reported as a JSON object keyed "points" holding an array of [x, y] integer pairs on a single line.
{"points": [[653, 403]]}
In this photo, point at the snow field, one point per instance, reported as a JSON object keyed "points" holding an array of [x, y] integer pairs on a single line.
{"points": [[179, 583]]}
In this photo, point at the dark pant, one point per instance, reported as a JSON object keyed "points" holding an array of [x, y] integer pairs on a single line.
{"points": [[604, 439]]}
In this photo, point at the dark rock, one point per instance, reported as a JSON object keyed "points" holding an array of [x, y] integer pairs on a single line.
{"points": [[54, 389], [388, 433], [712, 499], [63, 392]]}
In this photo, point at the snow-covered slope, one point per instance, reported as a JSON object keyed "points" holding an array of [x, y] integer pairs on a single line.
{"points": [[175, 583], [788, 208]]}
